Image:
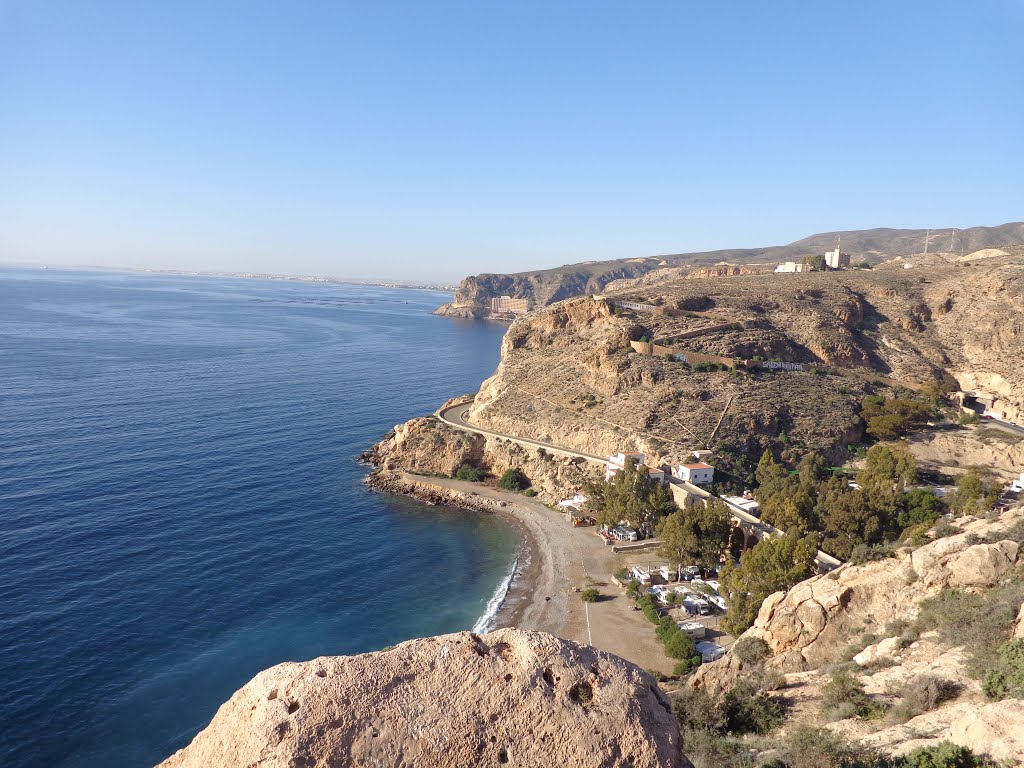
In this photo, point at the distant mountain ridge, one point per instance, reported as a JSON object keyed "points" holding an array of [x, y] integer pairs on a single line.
{"points": [[546, 286]]}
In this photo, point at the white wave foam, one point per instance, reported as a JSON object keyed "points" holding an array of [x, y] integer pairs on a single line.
{"points": [[484, 623]]}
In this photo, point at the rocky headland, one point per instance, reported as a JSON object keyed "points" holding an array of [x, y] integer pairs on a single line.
{"points": [[547, 286], [505, 698]]}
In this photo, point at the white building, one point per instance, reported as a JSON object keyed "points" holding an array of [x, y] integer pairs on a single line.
{"points": [[1018, 485], [791, 266], [697, 473], [577, 501], [836, 260], [617, 463], [750, 506]]}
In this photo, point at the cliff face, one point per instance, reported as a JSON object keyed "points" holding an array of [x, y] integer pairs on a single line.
{"points": [[508, 697], [544, 287], [428, 446], [818, 623], [569, 375]]}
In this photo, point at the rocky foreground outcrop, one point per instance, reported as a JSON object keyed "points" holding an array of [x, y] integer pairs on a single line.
{"points": [[817, 624], [508, 697]]}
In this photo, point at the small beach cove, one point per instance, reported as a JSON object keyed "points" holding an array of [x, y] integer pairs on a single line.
{"points": [[558, 559]]}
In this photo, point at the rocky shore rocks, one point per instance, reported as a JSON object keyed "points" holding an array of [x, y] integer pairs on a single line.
{"points": [[509, 697]]}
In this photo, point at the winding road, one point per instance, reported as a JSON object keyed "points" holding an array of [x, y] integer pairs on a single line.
{"points": [[458, 417]]}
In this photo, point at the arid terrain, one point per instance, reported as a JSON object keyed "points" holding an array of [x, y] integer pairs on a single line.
{"points": [[546, 286], [569, 373]]}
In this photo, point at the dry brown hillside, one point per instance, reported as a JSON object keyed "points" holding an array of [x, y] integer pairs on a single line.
{"points": [[570, 375]]}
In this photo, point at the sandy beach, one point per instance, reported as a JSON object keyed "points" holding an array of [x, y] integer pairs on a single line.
{"points": [[557, 560]]}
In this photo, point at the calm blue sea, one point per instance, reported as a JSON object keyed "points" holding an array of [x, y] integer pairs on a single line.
{"points": [[181, 505]]}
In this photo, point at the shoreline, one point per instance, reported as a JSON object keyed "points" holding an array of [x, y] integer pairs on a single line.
{"points": [[556, 563], [526, 576]]}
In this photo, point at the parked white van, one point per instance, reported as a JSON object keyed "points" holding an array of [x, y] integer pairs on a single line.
{"points": [[710, 651], [694, 629]]}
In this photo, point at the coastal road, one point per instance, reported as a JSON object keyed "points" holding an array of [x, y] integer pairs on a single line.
{"points": [[1007, 426], [458, 416]]}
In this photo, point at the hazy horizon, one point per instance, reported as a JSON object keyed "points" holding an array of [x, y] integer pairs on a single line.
{"points": [[423, 143]]}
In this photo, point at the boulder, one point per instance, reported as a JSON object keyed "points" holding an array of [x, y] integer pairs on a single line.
{"points": [[995, 729], [508, 697], [886, 649]]}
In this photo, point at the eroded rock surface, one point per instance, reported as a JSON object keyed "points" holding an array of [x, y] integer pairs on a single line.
{"points": [[508, 697], [812, 624]]}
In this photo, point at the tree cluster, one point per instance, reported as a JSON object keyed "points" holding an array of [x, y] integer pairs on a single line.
{"points": [[889, 418], [631, 495], [698, 534], [772, 565], [812, 500]]}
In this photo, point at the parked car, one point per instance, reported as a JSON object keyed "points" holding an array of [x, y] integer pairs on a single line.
{"points": [[709, 651]]}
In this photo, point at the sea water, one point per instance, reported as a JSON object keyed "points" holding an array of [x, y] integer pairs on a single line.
{"points": [[181, 503]]}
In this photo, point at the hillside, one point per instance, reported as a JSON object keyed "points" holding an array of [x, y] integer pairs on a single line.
{"points": [[895, 655], [544, 287], [569, 374]]}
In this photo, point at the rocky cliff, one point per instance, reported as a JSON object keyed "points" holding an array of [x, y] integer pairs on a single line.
{"points": [[428, 446], [569, 375], [505, 698], [544, 287], [864, 613]]}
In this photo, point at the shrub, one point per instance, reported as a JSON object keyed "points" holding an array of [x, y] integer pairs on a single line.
{"points": [[513, 480], [750, 710], [942, 755], [697, 710], [622, 574], [529, 492], [820, 748], [646, 603], [843, 696], [684, 667], [1006, 676], [751, 650], [469, 472], [923, 694], [868, 553], [985, 618], [589, 595]]}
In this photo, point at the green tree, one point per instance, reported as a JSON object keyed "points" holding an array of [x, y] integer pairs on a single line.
{"points": [[696, 534], [976, 491], [889, 470], [771, 476], [631, 495], [792, 508], [513, 480], [813, 470], [920, 507], [773, 565], [850, 521]]}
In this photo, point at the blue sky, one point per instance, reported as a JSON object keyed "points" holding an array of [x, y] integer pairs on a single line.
{"points": [[432, 140]]}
